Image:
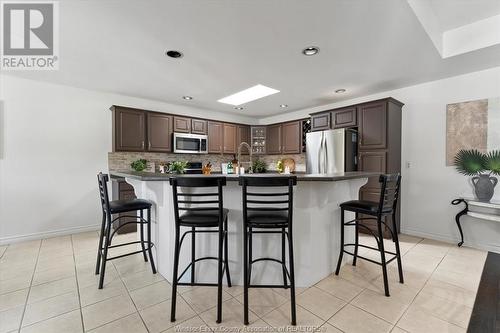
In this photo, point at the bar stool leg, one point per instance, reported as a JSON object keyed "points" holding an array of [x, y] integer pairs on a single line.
{"points": [[101, 238], [339, 262], [219, 275], [141, 225], [292, 277], [193, 253], [283, 257], [226, 256], [356, 241], [104, 258], [382, 255], [250, 255], [150, 250], [175, 272], [398, 252], [245, 274]]}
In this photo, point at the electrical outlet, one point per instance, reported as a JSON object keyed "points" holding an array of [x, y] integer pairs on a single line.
{"points": [[408, 164]]}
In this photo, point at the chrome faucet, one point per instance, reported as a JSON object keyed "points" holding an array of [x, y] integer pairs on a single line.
{"points": [[244, 144]]}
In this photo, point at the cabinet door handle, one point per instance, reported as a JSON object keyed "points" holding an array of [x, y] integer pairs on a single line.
{"points": [[142, 145], [149, 144]]}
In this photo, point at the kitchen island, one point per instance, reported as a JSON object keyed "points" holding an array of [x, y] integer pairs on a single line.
{"points": [[316, 225]]}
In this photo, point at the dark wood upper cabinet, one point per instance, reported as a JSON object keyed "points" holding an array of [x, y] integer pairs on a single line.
{"points": [[243, 135], [129, 129], [159, 132], [215, 137], [292, 138], [273, 139], [182, 124], [230, 139], [199, 126], [346, 117], [320, 121], [373, 125]]}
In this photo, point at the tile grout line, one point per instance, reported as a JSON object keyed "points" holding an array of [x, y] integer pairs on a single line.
{"points": [[77, 284], [130, 296], [29, 290], [364, 289], [426, 281]]}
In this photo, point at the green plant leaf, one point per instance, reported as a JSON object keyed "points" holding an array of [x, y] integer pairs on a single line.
{"points": [[139, 165], [470, 162], [493, 162]]}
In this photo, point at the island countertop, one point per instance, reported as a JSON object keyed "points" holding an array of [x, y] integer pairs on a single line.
{"points": [[332, 177]]}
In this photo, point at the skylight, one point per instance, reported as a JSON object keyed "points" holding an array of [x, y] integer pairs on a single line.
{"points": [[248, 95]]}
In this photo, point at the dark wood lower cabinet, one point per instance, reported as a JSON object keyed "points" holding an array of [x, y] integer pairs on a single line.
{"points": [[124, 191]]}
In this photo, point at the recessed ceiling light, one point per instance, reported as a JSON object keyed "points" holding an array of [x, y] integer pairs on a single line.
{"points": [[248, 95], [340, 91], [283, 105], [174, 54], [238, 108], [187, 98], [311, 50]]}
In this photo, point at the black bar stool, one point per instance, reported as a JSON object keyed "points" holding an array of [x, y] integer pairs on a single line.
{"points": [[106, 236], [390, 185], [199, 212], [268, 213]]}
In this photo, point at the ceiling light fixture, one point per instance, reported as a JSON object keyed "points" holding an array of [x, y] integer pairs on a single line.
{"points": [[310, 51], [340, 91], [283, 105], [187, 98], [174, 54], [238, 108], [248, 95]]}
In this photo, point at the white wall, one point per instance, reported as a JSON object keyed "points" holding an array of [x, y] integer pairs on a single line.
{"points": [[53, 141], [428, 185]]}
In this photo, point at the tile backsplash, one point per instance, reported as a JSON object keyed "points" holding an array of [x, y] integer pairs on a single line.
{"points": [[121, 160]]}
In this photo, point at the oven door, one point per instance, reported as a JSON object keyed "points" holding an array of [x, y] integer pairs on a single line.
{"points": [[189, 143]]}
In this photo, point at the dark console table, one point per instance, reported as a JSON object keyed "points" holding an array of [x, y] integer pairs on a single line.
{"points": [[477, 209]]}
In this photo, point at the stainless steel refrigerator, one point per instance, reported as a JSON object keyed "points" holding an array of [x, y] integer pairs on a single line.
{"points": [[332, 151]]}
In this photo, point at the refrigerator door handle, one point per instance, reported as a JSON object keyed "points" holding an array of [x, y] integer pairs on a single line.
{"points": [[325, 167], [321, 154]]}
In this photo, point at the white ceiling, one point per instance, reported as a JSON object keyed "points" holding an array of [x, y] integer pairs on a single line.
{"points": [[452, 14], [366, 47]]}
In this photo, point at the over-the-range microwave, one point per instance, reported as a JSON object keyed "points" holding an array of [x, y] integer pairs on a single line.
{"points": [[190, 143]]}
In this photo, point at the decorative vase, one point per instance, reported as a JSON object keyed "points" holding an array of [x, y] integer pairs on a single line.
{"points": [[484, 187]]}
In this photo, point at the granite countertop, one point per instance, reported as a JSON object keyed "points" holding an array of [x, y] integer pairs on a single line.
{"points": [[152, 176]]}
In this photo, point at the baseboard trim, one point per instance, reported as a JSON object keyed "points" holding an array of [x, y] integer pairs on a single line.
{"points": [[47, 234], [447, 239]]}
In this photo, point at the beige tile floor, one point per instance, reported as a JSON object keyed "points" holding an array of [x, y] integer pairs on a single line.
{"points": [[50, 286]]}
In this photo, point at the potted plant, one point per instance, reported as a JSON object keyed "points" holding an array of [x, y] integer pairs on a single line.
{"points": [[178, 167], [259, 166], [482, 167], [139, 165]]}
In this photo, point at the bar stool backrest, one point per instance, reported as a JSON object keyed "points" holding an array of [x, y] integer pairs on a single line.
{"points": [[280, 200], [211, 200], [390, 185], [102, 181]]}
